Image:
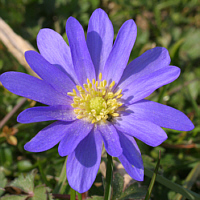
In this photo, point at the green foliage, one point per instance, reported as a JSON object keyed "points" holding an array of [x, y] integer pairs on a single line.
{"points": [[172, 24], [23, 188]]}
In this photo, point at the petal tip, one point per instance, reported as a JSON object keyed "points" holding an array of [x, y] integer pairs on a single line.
{"points": [[27, 147], [190, 126]]}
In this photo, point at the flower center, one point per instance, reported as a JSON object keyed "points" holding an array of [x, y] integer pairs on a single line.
{"points": [[96, 101]]}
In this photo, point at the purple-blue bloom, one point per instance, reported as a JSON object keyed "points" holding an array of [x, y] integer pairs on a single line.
{"points": [[96, 97]]}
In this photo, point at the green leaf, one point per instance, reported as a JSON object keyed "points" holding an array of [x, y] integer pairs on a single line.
{"points": [[173, 186], [133, 192], [40, 193], [95, 198], [25, 183], [118, 183], [3, 181], [14, 197], [148, 195]]}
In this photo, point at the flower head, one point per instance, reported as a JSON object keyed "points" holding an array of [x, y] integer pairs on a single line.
{"points": [[96, 97]]}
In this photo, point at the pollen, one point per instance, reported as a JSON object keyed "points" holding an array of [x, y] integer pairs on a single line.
{"points": [[96, 101]]}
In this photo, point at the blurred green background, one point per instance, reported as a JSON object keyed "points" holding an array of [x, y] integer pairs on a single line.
{"points": [[174, 24]]}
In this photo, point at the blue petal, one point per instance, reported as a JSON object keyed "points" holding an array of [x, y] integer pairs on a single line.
{"points": [[120, 53], [146, 131], [131, 157], [49, 73], [47, 137], [83, 163], [111, 139], [144, 86], [161, 115], [150, 61], [55, 50], [33, 88], [38, 114], [75, 133], [99, 39], [80, 55]]}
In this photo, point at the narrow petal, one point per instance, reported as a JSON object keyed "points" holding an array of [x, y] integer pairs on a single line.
{"points": [[55, 50], [83, 163], [150, 61], [111, 139], [146, 131], [144, 86], [46, 113], [120, 53], [131, 157], [80, 55], [161, 115], [100, 36], [75, 133], [49, 73], [47, 137], [32, 88]]}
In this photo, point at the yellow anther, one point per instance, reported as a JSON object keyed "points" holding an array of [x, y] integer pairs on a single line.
{"points": [[74, 105], [98, 118], [88, 81], [110, 95], [76, 111], [80, 116], [103, 92], [101, 88], [83, 96], [85, 85], [76, 101], [95, 101], [118, 92], [79, 88], [74, 91], [104, 83], [90, 85], [119, 96], [104, 105], [71, 94], [112, 84], [100, 76], [93, 81], [96, 84]]}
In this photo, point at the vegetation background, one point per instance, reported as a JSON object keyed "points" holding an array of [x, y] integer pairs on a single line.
{"points": [[174, 24]]}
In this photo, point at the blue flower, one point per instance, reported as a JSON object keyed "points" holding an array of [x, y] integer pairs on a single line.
{"points": [[96, 97]]}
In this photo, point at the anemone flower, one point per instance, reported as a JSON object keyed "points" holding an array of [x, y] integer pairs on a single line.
{"points": [[96, 97]]}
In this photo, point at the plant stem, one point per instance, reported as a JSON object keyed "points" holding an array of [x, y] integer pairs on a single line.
{"points": [[79, 196], [72, 194], [62, 179], [109, 175]]}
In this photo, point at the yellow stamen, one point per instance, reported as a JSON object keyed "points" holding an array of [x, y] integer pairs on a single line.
{"points": [[95, 101], [100, 76]]}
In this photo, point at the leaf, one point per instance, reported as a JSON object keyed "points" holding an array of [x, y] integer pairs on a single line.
{"points": [[40, 193], [148, 195], [14, 197], [96, 198], [26, 184], [118, 183], [190, 49], [3, 181], [173, 186], [133, 192]]}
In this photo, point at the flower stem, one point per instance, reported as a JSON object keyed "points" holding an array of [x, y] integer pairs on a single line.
{"points": [[72, 194], [79, 196], [109, 175], [62, 179]]}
